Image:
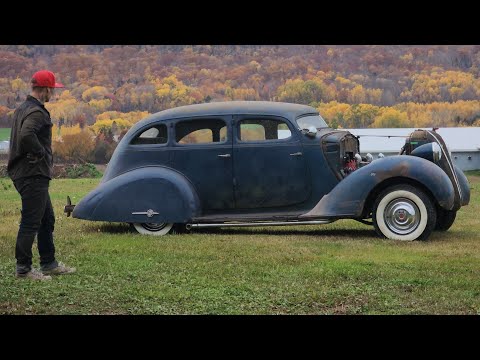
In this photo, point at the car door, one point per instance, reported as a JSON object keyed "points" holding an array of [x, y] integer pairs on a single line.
{"points": [[268, 163], [202, 152]]}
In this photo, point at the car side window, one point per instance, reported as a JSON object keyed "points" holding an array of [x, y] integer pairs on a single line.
{"points": [[263, 130], [201, 131], [154, 135]]}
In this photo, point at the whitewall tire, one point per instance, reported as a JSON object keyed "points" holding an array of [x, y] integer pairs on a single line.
{"points": [[404, 212], [156, 229]]}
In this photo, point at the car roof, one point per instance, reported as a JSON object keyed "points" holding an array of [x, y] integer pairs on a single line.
{"points": [[288, 110]]}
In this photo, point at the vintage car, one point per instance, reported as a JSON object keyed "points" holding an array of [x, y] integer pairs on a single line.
{"points": [[259, 163]]}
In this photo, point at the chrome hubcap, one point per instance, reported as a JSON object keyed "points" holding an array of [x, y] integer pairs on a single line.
{"points": [[402, 216], [154, 226]]}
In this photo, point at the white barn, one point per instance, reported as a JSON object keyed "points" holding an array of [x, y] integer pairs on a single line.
{"points": [[4, 146], [463, 143]]}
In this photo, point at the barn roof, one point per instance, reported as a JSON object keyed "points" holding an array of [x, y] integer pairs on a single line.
{"points": [[458, 139]]}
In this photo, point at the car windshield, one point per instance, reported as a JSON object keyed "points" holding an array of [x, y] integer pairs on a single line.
{"points": [[316, 121]]}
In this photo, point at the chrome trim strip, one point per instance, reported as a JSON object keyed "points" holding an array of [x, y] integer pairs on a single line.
{"points": [[272, 223], [149, 213], [450, 164]]}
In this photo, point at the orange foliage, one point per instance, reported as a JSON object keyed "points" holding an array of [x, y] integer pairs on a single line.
{"points": [[74, 147]]}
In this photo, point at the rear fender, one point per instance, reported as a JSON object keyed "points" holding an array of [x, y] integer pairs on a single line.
{"points": [[147, 194], [348, 198]]}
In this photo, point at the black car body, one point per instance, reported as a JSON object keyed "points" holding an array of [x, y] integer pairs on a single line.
{"points": [[251, 163]]}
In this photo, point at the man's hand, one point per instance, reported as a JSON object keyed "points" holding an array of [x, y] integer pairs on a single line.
{"points": [[32, 159]]}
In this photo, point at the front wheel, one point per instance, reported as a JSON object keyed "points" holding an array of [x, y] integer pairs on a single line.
{"points": [[157, 229], [445, 219], [403, 212]]}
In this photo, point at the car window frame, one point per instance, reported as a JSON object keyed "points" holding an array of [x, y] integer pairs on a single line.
{"points": [[146, 128], [224, 118], [239, 117]]}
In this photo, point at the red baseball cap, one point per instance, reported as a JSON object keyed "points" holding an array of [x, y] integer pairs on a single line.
{"points": [[45, 78]]}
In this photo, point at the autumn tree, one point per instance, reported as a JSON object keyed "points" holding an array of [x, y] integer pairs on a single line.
{"points": [[76, 147], [171, 92], [4, 116], [360, 115], [434, 85], [390, 118], [304, 92]]}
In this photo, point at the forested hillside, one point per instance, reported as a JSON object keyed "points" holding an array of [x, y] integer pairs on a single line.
{"points": [[352, 86]]}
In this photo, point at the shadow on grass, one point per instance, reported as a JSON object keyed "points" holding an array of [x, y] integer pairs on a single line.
{"points": [[122, 228], [351, 233], [111, 228]]}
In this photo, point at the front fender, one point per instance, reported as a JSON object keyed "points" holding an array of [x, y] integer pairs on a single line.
{"points": [[168, 195], [348, 198], [464, 186]]}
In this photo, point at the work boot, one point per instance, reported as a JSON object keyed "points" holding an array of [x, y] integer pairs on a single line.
{"points": [[61, 269], [33, 274]]}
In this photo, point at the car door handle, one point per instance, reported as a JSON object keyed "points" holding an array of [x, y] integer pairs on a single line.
{"points": [[297, 154], [224, 155]]}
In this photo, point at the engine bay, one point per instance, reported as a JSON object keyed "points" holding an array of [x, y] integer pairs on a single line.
{"points": [[342, 150]]}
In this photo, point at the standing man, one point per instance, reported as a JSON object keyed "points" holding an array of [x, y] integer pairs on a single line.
{"points": [[30, 166]]}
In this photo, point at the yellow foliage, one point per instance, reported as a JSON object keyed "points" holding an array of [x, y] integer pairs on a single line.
{"points": [[94, 93], [391, 118], [374, 96], [74, 147], [106, 125], [163, 90], [255, 65], [343, 82], [441, 114], [410, 114], [69, 130], [244, 94], [55, 133], [65, 95], [198, 137], [427, 87], [407, 57], [357, 95], [305, 92], [63, 108], [132, 117], [100, 105], [19, 85], [59, 133], [172, 92], [330, 110]]}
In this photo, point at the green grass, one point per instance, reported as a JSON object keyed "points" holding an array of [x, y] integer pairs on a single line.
{"points": [[339, 268], [472, 173], [4, 134]]}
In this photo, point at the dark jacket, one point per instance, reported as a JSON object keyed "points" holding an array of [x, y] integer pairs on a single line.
{"points": [[31, 134]]}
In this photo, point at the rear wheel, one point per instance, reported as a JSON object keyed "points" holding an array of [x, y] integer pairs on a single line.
{"points": [[157, 229], [404, 212], [445, 219]]}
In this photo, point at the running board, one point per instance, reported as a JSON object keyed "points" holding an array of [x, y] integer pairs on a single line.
{"points": [[268, 223]]}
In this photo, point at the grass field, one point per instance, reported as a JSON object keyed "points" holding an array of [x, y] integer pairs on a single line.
{"points": [[4, 134], [340, 268]]}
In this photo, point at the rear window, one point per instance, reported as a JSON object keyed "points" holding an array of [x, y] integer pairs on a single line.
{"points": [[156, 134]]}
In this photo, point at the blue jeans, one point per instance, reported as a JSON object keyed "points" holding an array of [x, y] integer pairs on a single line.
{"points": [[38, 220]]}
